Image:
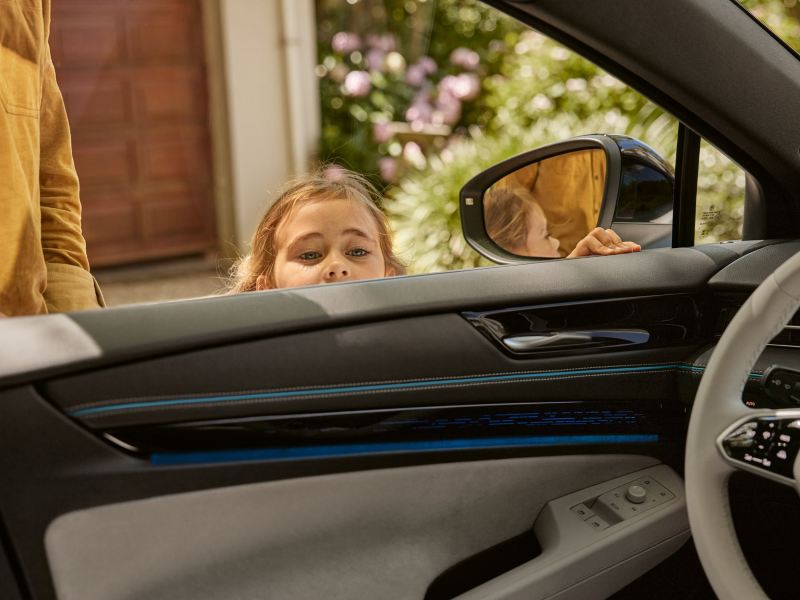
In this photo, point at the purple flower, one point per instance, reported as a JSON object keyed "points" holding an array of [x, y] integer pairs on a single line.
{"points": [[420, 112], [427, 64], [387, 167], [416, 75], [385, 42], [357, 84], [375, 59], [381, 131], [464, 87], [465, 58], [345, 42], [418, 72], [448, 109]]}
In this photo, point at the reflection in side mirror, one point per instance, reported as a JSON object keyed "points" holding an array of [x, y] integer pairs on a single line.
{"points": [[542, 203], [545, 208]]}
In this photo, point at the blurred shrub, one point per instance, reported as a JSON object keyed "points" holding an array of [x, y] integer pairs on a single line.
{"points": [[541, 93], [449, 88], [397, 80]]}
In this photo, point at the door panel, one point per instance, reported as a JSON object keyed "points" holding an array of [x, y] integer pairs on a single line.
{"points": [[434, 361], [372, 534], [385, 378], [53, 467], [144, 331]]}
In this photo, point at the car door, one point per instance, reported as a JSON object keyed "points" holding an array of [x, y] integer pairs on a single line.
{"points": [[355, 440], [383, 438]]}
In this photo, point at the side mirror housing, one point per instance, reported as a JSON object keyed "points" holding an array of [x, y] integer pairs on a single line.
{"points": [[539, 204]]}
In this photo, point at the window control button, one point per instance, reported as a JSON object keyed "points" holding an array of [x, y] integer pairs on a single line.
{"points": [[648, 495], [596, 522], [583, 511]]}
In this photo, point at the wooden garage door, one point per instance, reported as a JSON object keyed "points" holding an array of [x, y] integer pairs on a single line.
{"points": [[133, 79]]}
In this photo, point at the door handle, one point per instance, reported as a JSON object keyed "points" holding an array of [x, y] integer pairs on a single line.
{"points": [[567, 339]]}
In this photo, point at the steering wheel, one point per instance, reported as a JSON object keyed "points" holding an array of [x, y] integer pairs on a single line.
{"points": [[724, 435]]}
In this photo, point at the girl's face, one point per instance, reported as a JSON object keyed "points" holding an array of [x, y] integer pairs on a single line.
{"points": [[327, 242], [539, 242]]}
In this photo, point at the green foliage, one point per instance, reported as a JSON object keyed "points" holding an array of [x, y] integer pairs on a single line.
{"points": [[541, 93], [539, 79], [359, 128], [533, 92]]}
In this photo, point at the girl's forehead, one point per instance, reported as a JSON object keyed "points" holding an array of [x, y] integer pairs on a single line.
{"points": [[536, 211], [327, 215]]}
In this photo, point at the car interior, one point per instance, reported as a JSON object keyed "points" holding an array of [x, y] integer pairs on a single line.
{"points": [[514, 431]]}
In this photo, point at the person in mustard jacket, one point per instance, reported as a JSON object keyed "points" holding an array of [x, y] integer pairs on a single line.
{"points": [[43, 264]]}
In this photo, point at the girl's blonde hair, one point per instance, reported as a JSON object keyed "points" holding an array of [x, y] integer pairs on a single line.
{"points": [[326, 183], [506, 217]]}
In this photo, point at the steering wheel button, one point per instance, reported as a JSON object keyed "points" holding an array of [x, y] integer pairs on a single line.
{"points": [[785, 438], [781, 454], [743, 436]]}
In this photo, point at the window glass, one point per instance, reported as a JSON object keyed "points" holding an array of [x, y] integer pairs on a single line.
{"points": [[423, 113], [186, 121], [720, 197], [720, 184]]}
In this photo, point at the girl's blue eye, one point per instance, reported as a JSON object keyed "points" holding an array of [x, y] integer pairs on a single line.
{"points": [[358, 252], [310, 255]]}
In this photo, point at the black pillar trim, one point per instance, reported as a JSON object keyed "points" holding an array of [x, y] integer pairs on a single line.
{"points": [[685, 194]]}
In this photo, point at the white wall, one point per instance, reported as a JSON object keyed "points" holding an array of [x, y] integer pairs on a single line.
{"points": [[300, 31], [272, 100]]}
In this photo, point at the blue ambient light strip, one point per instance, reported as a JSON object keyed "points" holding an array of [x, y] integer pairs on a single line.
{"points": [[381, 387], [330, 451]]}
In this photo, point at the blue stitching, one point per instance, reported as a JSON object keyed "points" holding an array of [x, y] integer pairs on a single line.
{"points": [[365, 388], [410, 385]]}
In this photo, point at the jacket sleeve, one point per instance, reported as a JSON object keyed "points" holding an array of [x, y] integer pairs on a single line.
{"points": [[70, 286]]}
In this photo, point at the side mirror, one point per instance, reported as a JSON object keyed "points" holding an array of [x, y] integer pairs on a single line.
{"points": [[541, 203]]}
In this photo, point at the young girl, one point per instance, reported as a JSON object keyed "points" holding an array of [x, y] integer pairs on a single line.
{"points": [[323, 228], [519, 226]]}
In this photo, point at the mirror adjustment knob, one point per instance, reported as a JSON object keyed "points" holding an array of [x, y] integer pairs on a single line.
{"points": [[636, 494]]}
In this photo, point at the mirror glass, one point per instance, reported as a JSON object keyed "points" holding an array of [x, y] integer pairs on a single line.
{"points": [[545, 208]]}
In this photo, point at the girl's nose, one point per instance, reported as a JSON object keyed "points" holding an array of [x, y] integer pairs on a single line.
{"points": [[335, 271]]}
